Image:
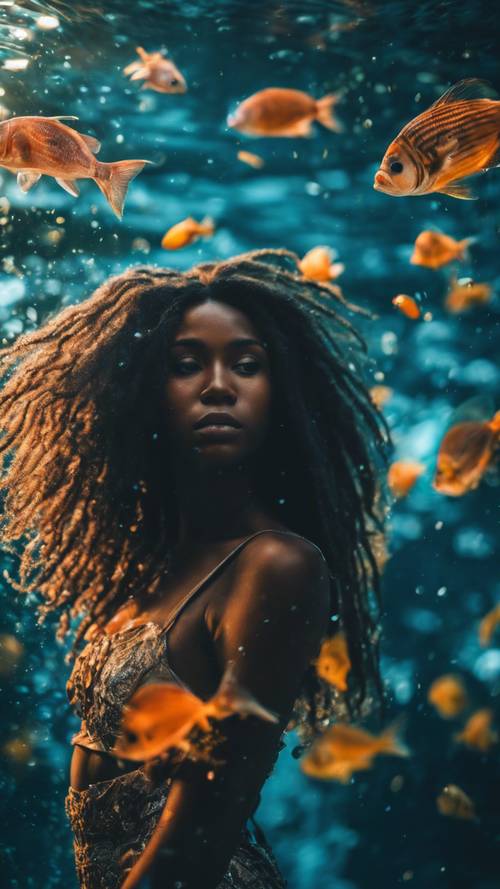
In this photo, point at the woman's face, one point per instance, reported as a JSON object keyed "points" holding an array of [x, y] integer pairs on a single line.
{"points": [[218, 364]]}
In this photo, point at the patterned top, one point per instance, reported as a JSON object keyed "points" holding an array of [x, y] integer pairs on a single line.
{"points": [[112, 667]]}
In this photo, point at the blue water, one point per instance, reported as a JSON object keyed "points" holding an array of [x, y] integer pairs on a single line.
{"points": [[398, 57]]}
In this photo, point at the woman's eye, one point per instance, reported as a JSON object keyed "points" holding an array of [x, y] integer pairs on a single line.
{"points": [[249, 367], [396, 167], [185, 367]]}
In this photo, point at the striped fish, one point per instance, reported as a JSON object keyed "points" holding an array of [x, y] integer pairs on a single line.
{"points": [[458, 136]]}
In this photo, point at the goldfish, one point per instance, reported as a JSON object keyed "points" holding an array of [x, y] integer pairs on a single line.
{"points": [[402, 476], [344, 749], [284, 112], [463, 293], [488, 625], [433, 249], [466, 452], [158, 72], [458, 136], [186, 232], [380, 394], [253, 160], [454, 802], [37, 146], [448, 695], [477, 732], [407, 305], [317, 265], [160, 715], [333, 663]]}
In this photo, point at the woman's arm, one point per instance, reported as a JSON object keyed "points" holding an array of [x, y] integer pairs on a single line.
{"points": [[272, 626]]}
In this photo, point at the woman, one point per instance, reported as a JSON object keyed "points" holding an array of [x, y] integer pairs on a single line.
{"points": [[193, 462]]}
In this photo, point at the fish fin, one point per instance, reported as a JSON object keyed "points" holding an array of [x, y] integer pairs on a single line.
{"points": [[469, 88], [324, 112], [446, 145], [132, 67], [455, 190], [494, 160], [140, 73], [495, 422], [69, 185], [93, 144], [63, 117], [115, 188], [389, 741], [142, 53], [301, 128], [27, 178], [209, 225]]}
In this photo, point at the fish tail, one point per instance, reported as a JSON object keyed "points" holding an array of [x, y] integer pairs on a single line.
{"points": [[463, 247], [231, 697], [324, 114], [495, 423], [208, 225], [390, 743], [115, 180]]}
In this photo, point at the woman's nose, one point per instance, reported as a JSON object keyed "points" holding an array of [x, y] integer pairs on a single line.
{"points": [[218, 387]]}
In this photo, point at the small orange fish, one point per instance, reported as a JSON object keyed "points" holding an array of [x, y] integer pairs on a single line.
{"points": [[380, 395], [403, 475], [407, 305], [465, 453], [477, 732], [463, 294], [454, 802], [158, 72], [488, 625], [344, 749], [253, 160], [160, 715], [37, 146], [333, 663], [317, 265], [433, 249], [458, 136], [283, 112], [448, 695], [187, 232]]}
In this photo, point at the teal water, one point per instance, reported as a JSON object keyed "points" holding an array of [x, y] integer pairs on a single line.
{"points": [[392, 60]]}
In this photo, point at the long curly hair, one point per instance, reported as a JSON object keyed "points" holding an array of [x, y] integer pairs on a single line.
{"points": [[84, 468]]}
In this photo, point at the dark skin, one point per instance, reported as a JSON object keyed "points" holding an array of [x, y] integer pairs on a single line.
{"points": [[267, 611]]}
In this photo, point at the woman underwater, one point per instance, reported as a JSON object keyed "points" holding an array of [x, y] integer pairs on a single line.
{"points": [[181, 542]]}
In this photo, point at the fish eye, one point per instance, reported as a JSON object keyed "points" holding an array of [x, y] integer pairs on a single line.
{"points": [[174, 81], [396, 167]]}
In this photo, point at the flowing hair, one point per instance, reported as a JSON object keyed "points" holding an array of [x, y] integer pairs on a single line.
{"points": [[84, 457]]}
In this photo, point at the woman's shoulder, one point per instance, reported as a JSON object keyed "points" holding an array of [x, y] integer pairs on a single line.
{"points": [[282, 547]]}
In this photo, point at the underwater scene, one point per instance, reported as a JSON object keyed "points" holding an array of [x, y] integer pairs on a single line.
{"points": [[291, 125]]}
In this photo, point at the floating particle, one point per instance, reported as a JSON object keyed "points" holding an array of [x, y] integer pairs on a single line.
{"points": [[47, 22], [407, 305], [253, 160], [11, 653], [488, 625], [448, 696]]}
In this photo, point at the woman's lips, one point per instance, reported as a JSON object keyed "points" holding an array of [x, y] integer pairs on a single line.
{"points": [[218, 431]]}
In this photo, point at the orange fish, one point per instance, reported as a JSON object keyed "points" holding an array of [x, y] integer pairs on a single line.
{"points": [[402, 476], [253, 160], [344, 749], [333, 663], [283, 112], [317, 265], [160, 715], [186, 232], [463, 294], [458, 136], [454, 802], [380, 394], [158, 72], [465, 453], [37, 146], [477, 732], [488, 625], [433, 249], [448, 695], [407, 305]]}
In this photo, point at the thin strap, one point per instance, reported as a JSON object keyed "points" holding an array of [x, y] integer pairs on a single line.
{"points": [[199, 586]]}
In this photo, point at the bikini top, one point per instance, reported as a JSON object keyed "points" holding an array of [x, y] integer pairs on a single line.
{"points": [[112, 667]]}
